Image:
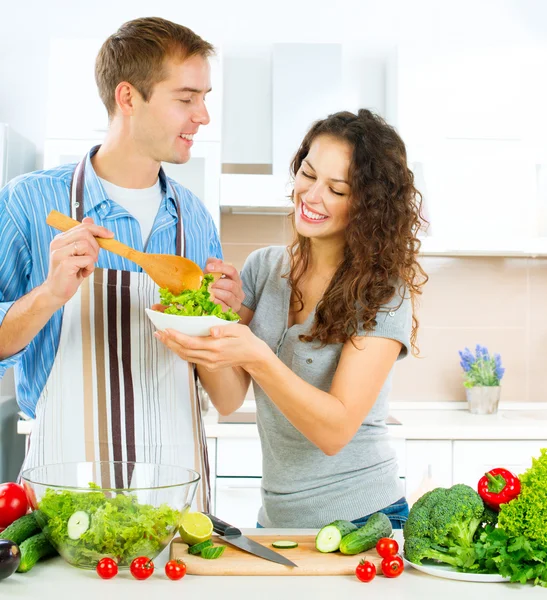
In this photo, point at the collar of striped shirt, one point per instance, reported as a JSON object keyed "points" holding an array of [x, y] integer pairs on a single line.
{"points": [[97, 200]]}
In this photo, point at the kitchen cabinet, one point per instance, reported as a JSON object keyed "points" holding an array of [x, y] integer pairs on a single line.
{"points": [[423, 465], [472, 459], [475, 144], [238, 500], [238, 457], [428, 465]]}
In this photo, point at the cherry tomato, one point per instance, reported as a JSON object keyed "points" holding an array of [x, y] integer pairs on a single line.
{"points": [[142, 567], [365, 571], [13, 503], [107, 568], [387, 547], [392, 566], [175, 569], [31, 496]]}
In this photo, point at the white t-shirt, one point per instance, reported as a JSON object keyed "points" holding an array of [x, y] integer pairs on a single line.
{"points": [[143, 204]]}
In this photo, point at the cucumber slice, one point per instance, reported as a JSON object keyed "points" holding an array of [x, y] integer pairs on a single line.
{"points": [[197, 548], [329, 537], [78, 524], [213, 552], [285, 544]]}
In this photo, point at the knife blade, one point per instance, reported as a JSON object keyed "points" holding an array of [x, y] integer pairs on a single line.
{"points": [[232, 535]]}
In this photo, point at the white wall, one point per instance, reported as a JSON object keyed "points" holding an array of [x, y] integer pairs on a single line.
{"points": [[369, 29]]}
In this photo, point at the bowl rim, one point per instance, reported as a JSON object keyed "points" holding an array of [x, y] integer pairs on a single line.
{"points": [[191, 316], [25, 478]]}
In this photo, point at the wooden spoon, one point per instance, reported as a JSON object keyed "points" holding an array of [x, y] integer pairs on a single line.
{"points": [[175, 273]]}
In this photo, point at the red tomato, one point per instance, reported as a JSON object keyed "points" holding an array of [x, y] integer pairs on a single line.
{"points": [[13, 503], [31, 496], [142, 567], [175, 569], [387, 547], [107, 568], [365, 571], [392, 566]]}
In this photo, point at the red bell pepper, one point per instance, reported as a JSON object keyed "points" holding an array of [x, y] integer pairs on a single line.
{"points": [[497, 487]]}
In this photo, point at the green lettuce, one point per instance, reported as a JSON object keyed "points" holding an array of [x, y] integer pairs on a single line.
{"points": [[527, 513], [195, 303], [517, 547], [119, 527]]}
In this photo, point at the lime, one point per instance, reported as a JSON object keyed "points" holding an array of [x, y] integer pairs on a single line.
{"points": [[195, 528]]}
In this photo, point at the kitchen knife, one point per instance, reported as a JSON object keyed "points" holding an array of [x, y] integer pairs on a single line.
{"points": [[233, 536]]}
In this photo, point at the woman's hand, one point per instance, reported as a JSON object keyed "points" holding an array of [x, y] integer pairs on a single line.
{"points": [[226, 346], [227, 291]]}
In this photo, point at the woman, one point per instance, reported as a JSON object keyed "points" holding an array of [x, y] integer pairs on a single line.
{"points": [[322, 325]]}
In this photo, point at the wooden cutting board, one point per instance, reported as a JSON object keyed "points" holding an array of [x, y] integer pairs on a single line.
{"points": [[236, 562]]}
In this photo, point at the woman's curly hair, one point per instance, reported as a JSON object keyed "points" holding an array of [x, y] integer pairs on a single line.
{"points": [[381, 251]]}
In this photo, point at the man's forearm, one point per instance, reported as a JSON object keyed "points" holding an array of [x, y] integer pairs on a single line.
{"points": [[25, 319], [226, 387]]}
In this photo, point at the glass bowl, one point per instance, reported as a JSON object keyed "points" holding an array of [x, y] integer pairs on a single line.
{"points": [[89, 510]]}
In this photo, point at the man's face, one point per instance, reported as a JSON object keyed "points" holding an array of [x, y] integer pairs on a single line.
{"points": [[163, 127]]}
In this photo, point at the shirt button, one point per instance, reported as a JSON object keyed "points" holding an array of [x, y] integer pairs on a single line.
{"points": [[103, 205], [391, 313], [309, 360]]}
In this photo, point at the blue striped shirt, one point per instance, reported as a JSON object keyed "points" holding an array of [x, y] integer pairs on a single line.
{"points": [[25, 203]]}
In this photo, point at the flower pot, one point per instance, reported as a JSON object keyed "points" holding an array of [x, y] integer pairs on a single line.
{"points": [[483, 399]]}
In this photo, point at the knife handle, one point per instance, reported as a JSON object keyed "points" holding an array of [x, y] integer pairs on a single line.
{"points": [[222, 527]]}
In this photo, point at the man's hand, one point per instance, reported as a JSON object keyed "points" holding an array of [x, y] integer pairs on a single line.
{"points": [[227, 291], [72, 258]]}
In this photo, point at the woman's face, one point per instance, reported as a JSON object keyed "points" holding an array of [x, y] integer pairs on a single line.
{"points": [[321, 189]]}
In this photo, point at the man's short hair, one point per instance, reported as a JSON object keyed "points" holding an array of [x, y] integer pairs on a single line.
{"points": [[137, 52]]}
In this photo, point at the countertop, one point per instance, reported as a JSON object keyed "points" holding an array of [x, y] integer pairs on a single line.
{"points": [[419, 421], [443, 421], [56, 580]]}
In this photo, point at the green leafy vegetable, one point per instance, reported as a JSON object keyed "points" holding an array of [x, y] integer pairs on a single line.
{"points": [[195, 303], [517, 548], [119, 527], [527, 513], [519, 558]]}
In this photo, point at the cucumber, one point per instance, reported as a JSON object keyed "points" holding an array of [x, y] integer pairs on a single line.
{"points": [[78, 524], [213, 552], [32, 550], [329, 537], [197, 548], [21, 529], [285, 544], [366, 537]]}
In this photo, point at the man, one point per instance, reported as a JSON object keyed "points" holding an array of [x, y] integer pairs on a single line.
{"points": [[88, 368]]}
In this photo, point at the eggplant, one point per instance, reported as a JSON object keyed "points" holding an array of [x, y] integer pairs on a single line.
{"points": [[10, 557]]}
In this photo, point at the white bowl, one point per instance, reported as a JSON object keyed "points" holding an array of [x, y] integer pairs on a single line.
{"points": [[198, 326]]}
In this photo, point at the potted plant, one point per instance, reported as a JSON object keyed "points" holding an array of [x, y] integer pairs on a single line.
{"points": [[482, 377]]}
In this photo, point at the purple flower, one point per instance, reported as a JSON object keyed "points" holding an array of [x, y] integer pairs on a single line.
{"points": [[482, 352], [499, 370], [467, 359]]}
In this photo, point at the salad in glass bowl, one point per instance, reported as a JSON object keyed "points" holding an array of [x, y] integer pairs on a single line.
{"points": [[121, 510]]}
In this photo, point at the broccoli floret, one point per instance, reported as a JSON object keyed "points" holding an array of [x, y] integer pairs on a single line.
{"points": [[442, 525], [457, 518], [418, 548]]}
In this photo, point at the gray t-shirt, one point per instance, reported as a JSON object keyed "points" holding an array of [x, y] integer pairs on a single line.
{"points": [[302, 486]]}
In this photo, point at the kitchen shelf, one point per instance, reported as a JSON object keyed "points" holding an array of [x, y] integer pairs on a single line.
{"points": [[521, 248]]}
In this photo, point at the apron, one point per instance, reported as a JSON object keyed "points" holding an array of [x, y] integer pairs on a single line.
{"points": [[115, 393]]}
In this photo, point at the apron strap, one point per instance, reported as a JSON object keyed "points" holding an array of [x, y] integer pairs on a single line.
{"points": [[77, 200]]}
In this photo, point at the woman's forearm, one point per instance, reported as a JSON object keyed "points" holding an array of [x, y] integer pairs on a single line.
{"points": [[318, 415], [226, 387]]}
